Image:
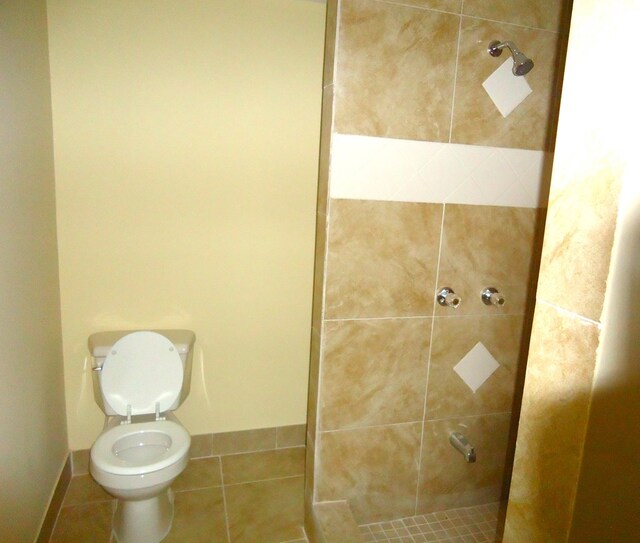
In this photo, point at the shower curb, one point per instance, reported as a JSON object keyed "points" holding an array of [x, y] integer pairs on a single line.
{"points": [[335, 523]]}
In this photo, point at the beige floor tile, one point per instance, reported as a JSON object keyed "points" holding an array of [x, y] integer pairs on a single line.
{"points": [[198, 517], [246, 468], [83, 489], [267, 511], [200, 473], [84, 523]]}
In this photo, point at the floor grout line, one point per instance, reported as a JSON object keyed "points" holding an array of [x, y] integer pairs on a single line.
{"points": [[224, 503]]}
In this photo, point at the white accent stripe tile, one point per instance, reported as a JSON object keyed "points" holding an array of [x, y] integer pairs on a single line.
{"points": [[371, 168]]}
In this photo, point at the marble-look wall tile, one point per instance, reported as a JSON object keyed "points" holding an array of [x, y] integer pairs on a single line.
{"points": [[476, 120], [547, 14], [446, 479], [578, 239], [374, 372], [553, 419], [447, 394], [395, 71], [487, 246], [330, 42], [374, 469], [382, 259]]}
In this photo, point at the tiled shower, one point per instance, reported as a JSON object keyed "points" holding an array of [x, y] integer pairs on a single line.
{"points": [[456, 201]]}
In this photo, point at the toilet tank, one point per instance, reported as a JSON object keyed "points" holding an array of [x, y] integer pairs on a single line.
{"points": [[101, 343]]}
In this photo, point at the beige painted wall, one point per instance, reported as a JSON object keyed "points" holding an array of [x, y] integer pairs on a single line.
{"points": [[33, 446], [186, 142]]}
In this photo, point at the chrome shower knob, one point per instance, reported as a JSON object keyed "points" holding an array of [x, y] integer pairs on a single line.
{"points": [[491, 296], [447, 298]]}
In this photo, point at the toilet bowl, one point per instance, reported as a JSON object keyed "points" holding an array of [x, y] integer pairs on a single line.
{"points": [[143, 447], [136, 463]]}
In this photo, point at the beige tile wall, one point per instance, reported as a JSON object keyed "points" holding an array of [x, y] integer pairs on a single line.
{"points": [[565, 339], [383, 395], [414, 70], [388, 395]]}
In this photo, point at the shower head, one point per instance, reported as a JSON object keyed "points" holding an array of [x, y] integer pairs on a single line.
{"points": [[521, 63]]}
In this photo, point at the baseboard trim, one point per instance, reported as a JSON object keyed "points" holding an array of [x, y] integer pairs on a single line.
{"points": [[55, 503], [218, 444]]}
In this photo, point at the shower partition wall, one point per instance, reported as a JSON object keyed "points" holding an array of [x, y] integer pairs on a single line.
{"points": [[430, 187]]}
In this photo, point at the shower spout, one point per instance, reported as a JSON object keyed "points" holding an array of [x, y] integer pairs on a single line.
{"points": [[521, 63]]}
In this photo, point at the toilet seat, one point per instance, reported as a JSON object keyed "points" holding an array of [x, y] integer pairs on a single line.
{"points": [[121, 449], [142, 374]]}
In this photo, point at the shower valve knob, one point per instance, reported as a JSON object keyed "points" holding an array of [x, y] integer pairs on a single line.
{"points": [[491, 296], [447, 298]]}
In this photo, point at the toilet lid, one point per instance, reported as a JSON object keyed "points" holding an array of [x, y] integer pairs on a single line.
{"points": [[142, 369]]}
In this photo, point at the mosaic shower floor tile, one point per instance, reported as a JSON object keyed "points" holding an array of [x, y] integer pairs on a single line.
{"points": [[476, 524]]}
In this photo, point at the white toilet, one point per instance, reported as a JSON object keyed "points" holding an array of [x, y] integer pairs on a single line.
{"points": [[139, 378]]}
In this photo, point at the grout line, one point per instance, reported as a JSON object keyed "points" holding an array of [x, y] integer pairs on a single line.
{"points": [[224, 503], [434, 316], [266, 480], [497, 413], [426, 384], [371, 427], [570, 313], [405, 423], [512, 24], [421, 8], [251, 452], [195, 489], [455, 75]]}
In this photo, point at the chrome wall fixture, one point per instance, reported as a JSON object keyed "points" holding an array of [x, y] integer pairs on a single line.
{"points": [[521, 63], [491, 296], [447, 298], [461, 444]]}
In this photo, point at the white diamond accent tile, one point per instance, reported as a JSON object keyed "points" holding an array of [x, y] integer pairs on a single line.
{"points": [[395, 170], [476, 367]]}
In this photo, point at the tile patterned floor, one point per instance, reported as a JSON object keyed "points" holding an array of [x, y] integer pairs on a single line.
{"points": [[237, 498], [467, 525]]}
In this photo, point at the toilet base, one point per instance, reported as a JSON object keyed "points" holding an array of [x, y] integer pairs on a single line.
{"points": [[143, 521]]}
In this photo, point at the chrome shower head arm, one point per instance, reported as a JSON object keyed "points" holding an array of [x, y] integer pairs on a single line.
{"points": [[521, 63]]}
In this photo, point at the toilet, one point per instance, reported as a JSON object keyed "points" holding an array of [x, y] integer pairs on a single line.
{"points": [[140, 377]]}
